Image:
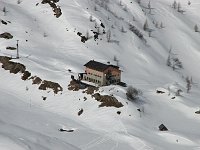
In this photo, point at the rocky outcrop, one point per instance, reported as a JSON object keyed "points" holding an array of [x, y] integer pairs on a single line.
{"points": [[107, 101], [6, 35], [50, 85], [15, 67]]}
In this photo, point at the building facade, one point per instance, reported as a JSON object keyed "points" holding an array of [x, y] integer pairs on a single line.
{"points": [[101, 74]]}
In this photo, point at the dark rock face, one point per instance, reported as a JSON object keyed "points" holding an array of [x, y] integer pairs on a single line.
{"points": [[6, 35]]}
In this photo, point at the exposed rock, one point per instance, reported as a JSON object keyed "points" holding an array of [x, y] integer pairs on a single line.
{"points": [[83, 39], [26, 75], [36, 80], [10, 48], [6, 35], [80, 111], [3, 22], [91, 89], [108, 101], [14, 67], [73, 85], [85, 98], [4, 59], [197, 112], [44, 98], [118, 112], [50, 85], [160, 92]]}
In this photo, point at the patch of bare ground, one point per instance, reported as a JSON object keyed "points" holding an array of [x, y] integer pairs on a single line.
{"points": [[6, 35], [36, 80], [76, 85], [107, 101], [10, 48], [91, 89], [50, 85], [15, 68]]}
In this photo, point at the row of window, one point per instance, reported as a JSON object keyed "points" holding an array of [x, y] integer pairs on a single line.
{"points": [[92, 80], [94, 74], [101, 76]]}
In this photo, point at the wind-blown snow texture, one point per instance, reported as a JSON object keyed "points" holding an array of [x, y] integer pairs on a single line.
{"points": [[49, 46]]}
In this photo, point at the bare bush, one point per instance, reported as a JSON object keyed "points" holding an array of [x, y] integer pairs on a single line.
{"points": [[196, 29], [133, 93]]}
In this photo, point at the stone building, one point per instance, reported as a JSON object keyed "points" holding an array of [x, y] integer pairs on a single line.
{"points": [[101, 74]]}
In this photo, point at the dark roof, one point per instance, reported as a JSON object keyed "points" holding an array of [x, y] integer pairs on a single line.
{"points": [[98, 66], [162, 127]]}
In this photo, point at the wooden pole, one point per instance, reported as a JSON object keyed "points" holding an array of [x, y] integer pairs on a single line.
{"points": [[17, 50]]}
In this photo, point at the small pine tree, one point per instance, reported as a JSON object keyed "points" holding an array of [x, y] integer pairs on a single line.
{"points": [[133, 18], [44, 34], [178, 92], [95, 8], [169, 61], [4, 10], [108, 36], [174, 5], [177, 64], [120, 3], [149, 5], [179, 7], [196, 29], [161, 25], [18, 1], [91, 18], [156, 25], [115, 58], [145, 27], [188, 84], [125, 8], [87, 35], [122, 30]]}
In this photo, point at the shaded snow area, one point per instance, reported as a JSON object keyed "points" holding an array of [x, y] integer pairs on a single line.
{"points": [[160, 58]]}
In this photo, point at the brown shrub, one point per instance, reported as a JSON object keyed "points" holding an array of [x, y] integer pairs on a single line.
{"points": [[50, 85], [26, 75], [108, 101], [36, 80], [6, 35]]}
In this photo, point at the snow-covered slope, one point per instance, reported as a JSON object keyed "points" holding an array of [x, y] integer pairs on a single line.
{"points": [[49, 46]]}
